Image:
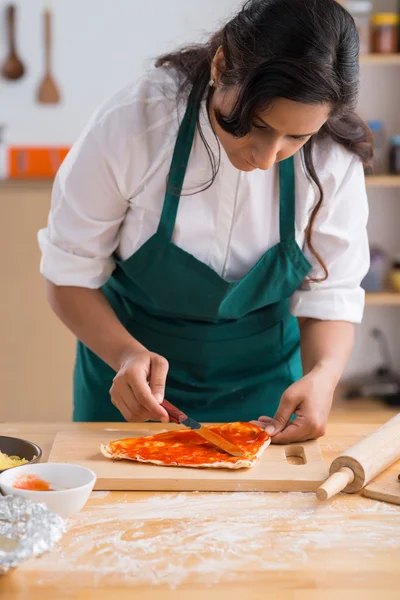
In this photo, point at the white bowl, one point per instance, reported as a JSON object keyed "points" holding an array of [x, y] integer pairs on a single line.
{"points": [[73, 485]]}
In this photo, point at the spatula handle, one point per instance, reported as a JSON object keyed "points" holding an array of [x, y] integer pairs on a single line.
{"points": [[176, 415], [47, 39], [11, 27]]}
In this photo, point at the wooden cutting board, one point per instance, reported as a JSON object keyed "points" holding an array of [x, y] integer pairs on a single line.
{"points": [[386, 487], [296, 468]]}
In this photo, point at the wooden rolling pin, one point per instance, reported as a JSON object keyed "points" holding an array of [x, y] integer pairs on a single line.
{"points": [[353, 469]]}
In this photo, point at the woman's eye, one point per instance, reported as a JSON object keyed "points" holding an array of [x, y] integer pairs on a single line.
{"points": [[298, 138], [301, 138]]}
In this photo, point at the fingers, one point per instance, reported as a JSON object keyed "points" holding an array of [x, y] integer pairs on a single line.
{"points": [[300, 429], [133, 413], [275, 425], [267, 424], [158, 377], [119, 403], [294, 432], [262, 422], [137, 379], [132, 393], [287, 406], [282, 429]]}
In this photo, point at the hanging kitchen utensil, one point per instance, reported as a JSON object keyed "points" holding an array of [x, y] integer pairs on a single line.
{"points": [[48, 92], [13, 68]]}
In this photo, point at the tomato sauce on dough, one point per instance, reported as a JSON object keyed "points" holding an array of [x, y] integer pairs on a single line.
{"points": [[174, 447]]}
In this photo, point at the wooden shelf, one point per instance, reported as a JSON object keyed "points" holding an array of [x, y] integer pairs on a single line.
{"points": [[26, 184], [372, 181], [380, 59], [383, 299], [385, 181]]}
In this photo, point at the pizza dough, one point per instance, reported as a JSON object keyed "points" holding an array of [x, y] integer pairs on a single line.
{"points": [[185, 448]]}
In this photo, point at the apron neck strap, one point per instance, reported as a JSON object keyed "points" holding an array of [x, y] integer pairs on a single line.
{"points": [[176, 175], [287, 200]]}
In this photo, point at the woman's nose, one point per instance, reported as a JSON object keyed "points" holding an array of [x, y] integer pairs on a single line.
{"points": [[265, 155]]}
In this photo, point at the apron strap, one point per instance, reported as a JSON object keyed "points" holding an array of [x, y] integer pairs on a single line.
{"points": [[176, 175], [287, 200]]}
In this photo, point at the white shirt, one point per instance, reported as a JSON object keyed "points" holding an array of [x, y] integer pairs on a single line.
{"points": [[109, 192]]}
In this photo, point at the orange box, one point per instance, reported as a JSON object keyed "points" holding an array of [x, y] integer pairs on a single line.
{"points": [[30, 162]]}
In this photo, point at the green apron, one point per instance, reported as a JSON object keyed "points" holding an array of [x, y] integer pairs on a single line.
{"points": [[233, 348]]}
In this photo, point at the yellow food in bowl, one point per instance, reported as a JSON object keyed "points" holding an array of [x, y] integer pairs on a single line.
{"points": [[7, 462]]}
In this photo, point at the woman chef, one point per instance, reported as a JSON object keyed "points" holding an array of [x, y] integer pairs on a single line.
{"points": [[207, 235]]}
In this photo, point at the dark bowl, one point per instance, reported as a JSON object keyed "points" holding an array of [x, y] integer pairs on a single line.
{"points": [[22, 448]]}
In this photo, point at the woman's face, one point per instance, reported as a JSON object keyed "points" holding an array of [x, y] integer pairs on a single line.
{"points": [[277, 132]]}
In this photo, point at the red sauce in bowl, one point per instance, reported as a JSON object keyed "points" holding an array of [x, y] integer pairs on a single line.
{"points": [[33, 483]]}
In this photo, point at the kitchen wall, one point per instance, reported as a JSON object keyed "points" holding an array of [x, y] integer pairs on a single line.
{"points": [[99, 46], [379, 99]]}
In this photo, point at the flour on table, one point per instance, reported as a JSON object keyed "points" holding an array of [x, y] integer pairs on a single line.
{"points": [[170, 539], [99, 494]]}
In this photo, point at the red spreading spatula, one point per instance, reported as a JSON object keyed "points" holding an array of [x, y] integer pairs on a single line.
{"points": [[177, 416]]}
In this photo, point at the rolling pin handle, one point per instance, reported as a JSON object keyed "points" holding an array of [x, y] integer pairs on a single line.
{"points": [[335, 483]]}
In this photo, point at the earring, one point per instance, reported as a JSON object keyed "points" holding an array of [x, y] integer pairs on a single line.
{"points": [[211, 82]]}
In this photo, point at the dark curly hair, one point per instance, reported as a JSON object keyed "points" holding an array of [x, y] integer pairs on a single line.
{"points": [[302, 50]]}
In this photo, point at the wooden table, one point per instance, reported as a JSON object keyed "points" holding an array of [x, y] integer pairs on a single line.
{"points": [[241, 546]]}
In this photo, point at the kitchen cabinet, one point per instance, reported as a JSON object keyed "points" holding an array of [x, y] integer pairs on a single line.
{"points": [[36, 350]]}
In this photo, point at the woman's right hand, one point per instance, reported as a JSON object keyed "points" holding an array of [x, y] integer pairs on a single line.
{"points": [[139, 386]]}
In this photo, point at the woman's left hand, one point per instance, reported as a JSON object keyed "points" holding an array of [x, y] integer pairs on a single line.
{"points": [[310, 399]]}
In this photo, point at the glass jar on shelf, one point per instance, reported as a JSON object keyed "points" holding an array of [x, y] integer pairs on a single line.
{"points": [[361, 11], [385, 33], [394, 274], [394, 155], [378, 132], [374, 281]]}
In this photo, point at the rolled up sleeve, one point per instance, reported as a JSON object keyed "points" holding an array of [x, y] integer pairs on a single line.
{"points": [[340, 237], [86, 213]]}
